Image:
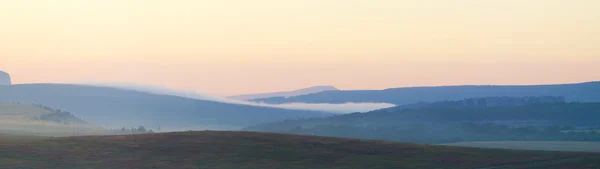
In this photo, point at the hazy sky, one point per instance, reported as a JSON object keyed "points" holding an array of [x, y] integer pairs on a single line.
{"points": [[242, 46]]}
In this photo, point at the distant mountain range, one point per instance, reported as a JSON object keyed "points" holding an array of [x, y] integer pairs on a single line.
{"points": [[310, 90], [115, 107], [584, 92]]}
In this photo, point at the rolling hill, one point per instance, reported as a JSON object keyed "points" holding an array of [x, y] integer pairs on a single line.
{"points": [[22, 119], [477, 119], [310, 90], [582, 92], [247, 150], [117, 108]]}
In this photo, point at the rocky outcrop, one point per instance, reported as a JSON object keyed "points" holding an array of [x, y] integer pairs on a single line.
{"points": [[4, 79]]}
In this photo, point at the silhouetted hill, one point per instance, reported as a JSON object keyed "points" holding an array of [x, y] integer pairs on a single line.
{"points": [[583, 92], [247, 150], [310, 90], [124, 108]]}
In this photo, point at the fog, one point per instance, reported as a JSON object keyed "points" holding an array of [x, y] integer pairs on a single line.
{"points": [[333, 108]]}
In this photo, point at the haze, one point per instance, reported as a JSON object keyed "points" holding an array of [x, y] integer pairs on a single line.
{"points": [[236, 46]]}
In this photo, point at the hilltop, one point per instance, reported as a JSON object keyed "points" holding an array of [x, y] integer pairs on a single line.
{"points": [[310, 90], [247, 150], [579, 92]]}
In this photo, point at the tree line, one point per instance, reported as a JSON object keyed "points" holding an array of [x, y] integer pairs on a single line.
{"points": [[133, 130]]}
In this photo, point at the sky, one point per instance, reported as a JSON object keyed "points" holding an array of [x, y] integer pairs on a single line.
{"points": [[230, 47]]}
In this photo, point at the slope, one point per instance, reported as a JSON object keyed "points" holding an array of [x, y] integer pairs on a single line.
{"points": [[310, 90], [125, 108], [21, 119], [583, 92], [457, 121], [246, 150]]}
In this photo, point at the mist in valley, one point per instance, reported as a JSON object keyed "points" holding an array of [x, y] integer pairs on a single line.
{"points": [[325, 107]]}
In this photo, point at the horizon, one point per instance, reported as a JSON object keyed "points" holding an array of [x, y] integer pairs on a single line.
{"points": [[144, 87], [236, 47], [294, 89]]}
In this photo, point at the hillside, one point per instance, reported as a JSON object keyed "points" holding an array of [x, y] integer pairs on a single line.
{"points": [[582, 92], [22, 119], [457, 121], [246, 150], [310, 90], [117, 108]]}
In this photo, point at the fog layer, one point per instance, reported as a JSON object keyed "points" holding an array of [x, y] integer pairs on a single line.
{"points": [[334, 108]]}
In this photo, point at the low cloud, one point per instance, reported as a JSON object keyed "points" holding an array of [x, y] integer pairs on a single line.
{"points": [[325, 107]]}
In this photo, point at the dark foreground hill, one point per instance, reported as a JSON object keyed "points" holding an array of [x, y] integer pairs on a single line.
{"points": [[246, 150], [125, 108], [583, 92]]}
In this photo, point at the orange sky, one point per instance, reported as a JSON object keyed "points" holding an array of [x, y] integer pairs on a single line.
{"points": [[239, 46]]}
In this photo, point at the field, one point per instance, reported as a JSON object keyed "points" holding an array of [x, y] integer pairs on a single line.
{"points": [[248, 150], [582, 131], [535, 145], [18, 119]]}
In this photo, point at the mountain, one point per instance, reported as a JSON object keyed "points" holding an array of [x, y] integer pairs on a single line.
{"points": [[248, 150], [583, 92], [118, 108], [475, 119], [310, 90]]}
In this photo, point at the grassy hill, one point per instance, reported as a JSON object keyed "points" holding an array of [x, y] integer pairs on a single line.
{"points": [[24, 119], [247, 150], [11, 110], [574, 146]]}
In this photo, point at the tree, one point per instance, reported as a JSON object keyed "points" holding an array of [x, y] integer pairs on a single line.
{"points": [[141, 129]]}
